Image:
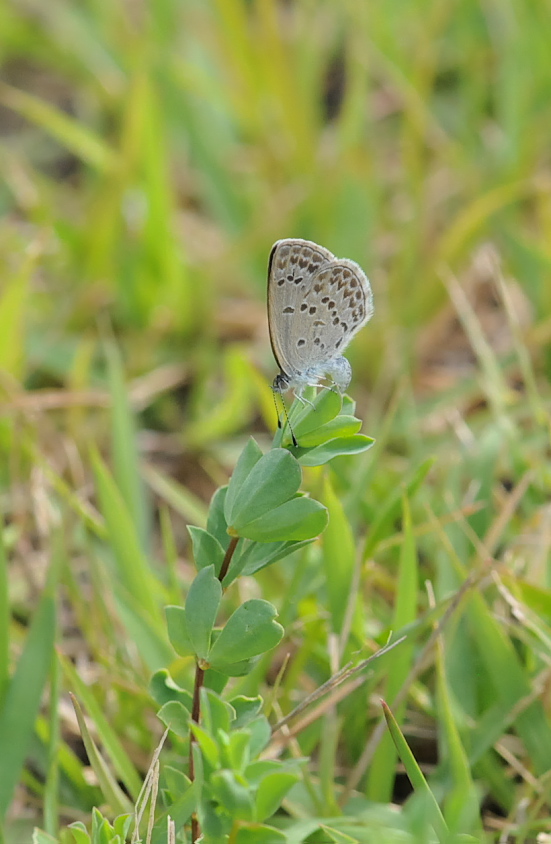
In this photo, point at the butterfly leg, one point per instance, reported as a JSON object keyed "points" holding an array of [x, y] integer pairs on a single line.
{"points": [[298, 395]]}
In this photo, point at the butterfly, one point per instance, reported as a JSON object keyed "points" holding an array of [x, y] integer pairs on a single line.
{"points": [[316, 304]]}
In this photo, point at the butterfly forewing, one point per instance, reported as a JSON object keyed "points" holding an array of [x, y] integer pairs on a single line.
{"points": [[293, 263]]}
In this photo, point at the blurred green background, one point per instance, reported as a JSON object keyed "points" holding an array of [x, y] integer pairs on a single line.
{"points": [[151, 153]]}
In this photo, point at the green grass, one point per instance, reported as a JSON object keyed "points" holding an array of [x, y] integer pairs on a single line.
{"points": [[150, 156]]}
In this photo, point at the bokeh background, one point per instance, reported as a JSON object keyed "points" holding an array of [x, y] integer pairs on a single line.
{"points": [[150, 155]]}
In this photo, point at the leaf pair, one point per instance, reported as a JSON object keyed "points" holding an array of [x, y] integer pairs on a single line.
{"points": [[324, 427], [250, 631], [262, 502]]}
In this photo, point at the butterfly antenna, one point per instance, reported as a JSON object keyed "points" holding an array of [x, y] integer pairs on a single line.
{"points": [[285, 413]]}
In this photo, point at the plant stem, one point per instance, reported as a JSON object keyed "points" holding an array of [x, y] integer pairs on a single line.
{"points": [[227, 559], [195, 715], [198, 685]]}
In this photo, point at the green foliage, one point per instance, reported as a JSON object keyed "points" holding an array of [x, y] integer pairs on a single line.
{"points": [[261, 503], [233, 791], [238, 792], [149, 157], [23, 691], [102, 832], [324, 427]]}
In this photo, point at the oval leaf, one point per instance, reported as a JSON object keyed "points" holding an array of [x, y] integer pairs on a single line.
{"points": [[232, 794], [177, 630], [271, 792], [341, 426], [298, 519], [216, 520], [248, 458], [236, 669], [164, 689], [202, 605], [271, 482], [250, 631], [207, 551], [335, 448], [176, 717], [326, 406]]}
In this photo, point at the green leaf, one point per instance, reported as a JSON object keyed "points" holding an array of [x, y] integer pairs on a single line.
{"points": [[110, 788], [79, 832], [217, 525], [338, 837], [261, 733], [461, 801], [271, 792], [256, 771], [125, 451], [178, 497], [390, 508], [415, 775], [250, 630], [179, 811], [248, 458], [226, 410], [208, 745], [214, 679], [511, 680], [174, 780], [255, 556], [149, 637], [164, 689], [41, 837], [334, 448], [122, 825], [327, 405], [68, 131], [340, 427], [202, 604], [217, 714], [237, 669], [177, 630], [382, 772], [207, 550], [215, 824], [232, 794], [23, 696], [274, 479], [246, 708], [251, 556], [259, 834], [235, 750], [5, 619], [301, 518], [13, 309], [132, 565], [339, 558], [110, 739], [176, 717]]}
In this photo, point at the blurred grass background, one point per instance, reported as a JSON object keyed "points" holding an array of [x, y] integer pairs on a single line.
{"points": [[151, 153]]}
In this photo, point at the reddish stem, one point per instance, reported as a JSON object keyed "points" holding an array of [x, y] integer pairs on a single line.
{"points": [[227, 559], [198, 685]]}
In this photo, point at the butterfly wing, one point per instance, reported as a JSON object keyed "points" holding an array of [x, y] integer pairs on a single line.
{"points": [[292, 266], [343, 303], [316, 304]]}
